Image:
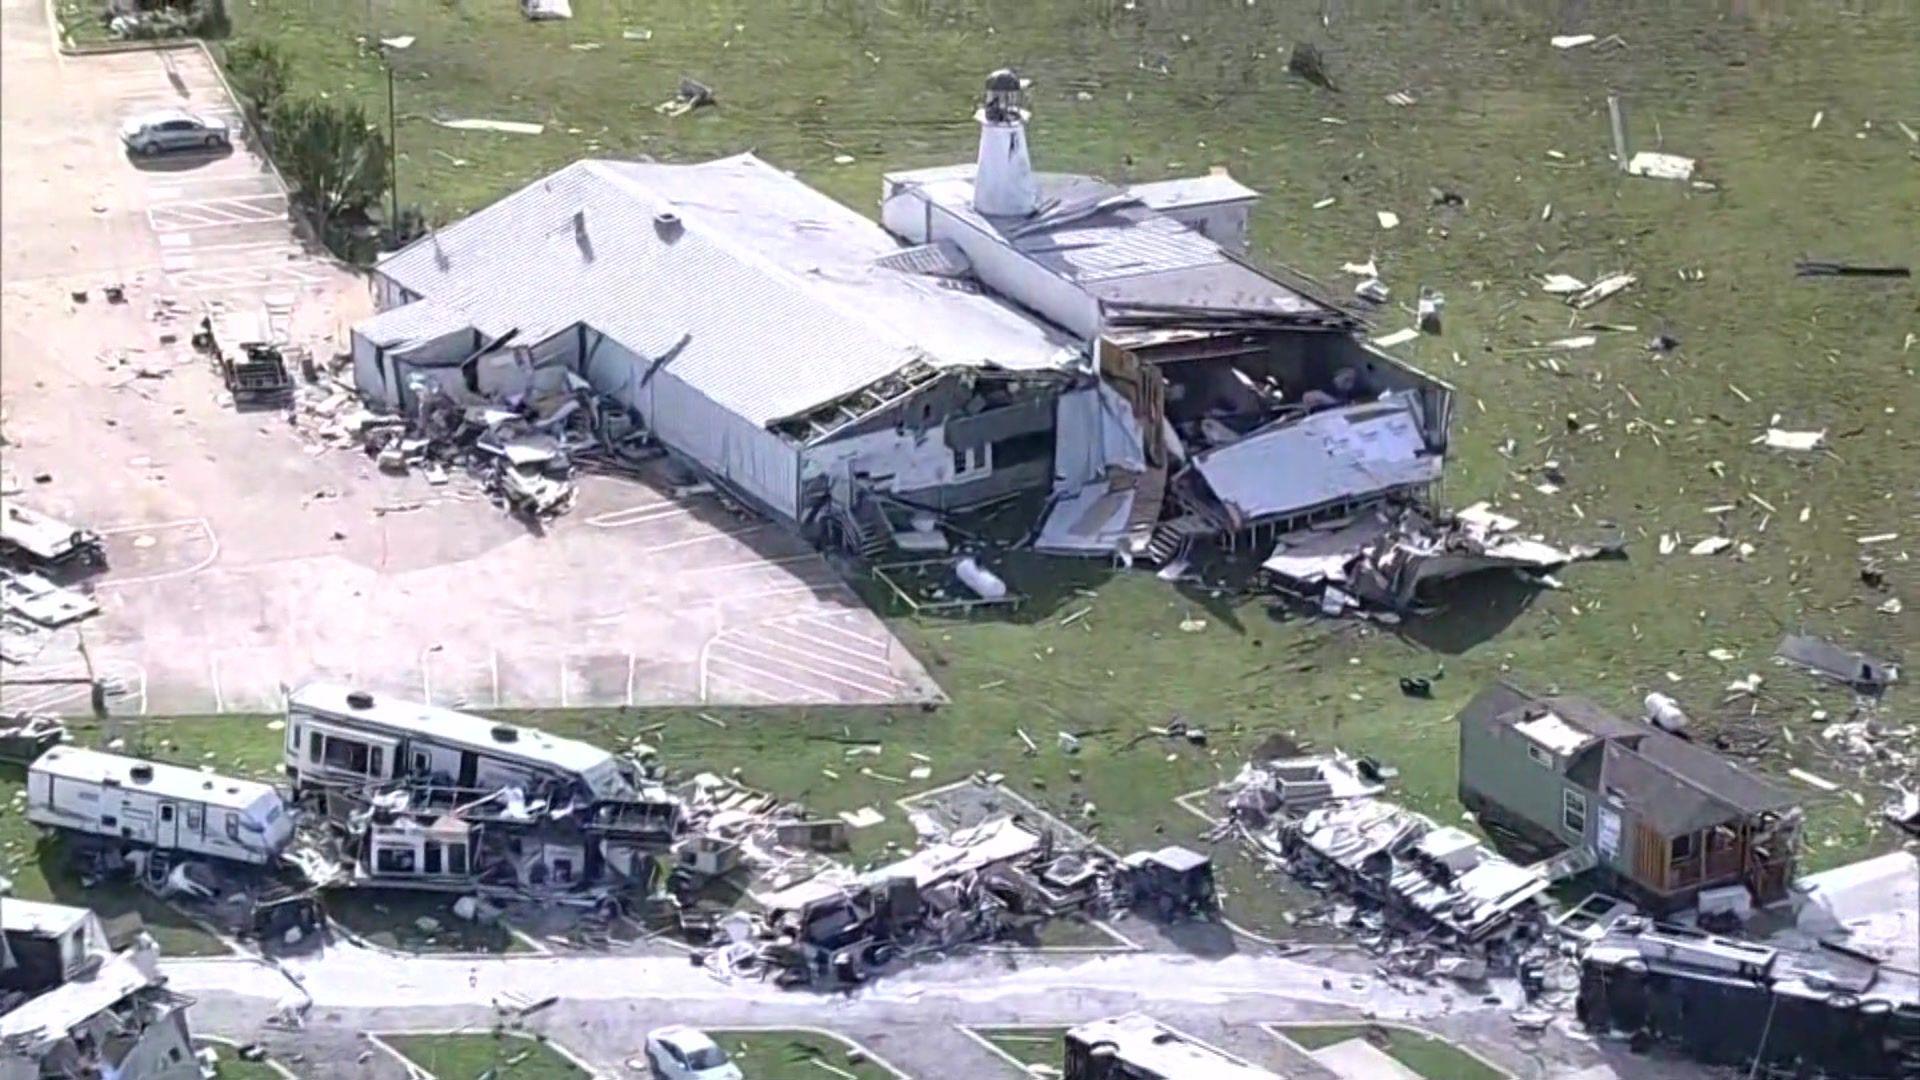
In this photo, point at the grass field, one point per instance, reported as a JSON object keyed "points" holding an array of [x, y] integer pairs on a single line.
{"points": [[1431, 1057], [1028, 1046], [790, 1055], [467, 1057], [1655, 444]]}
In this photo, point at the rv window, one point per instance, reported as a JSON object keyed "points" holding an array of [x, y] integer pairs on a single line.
{"points": [[166, 813], [108, 821], [376, 762], [1573, 812], [456, 858], [393, 860], [193, 818], [313, 748], [346, 754], [563, 870], [422, 763], [233, 825]]}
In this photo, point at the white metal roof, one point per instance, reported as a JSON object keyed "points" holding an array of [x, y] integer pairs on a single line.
{"points": [[451, 728], [1179, 193], [1147, 1044], [168, 781], [771, 284], [422, 320], [1553, 734], [1350, 452], [54, 1013]]}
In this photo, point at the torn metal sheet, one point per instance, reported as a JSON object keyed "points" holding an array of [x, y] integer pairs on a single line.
{"points": [[1345, 454], [510, 127], [1658, 166], [1602, 289], [1867, 674], [1782, 439]]}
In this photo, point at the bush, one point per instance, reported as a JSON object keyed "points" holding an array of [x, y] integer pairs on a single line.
{"points": [[194, 18], [335, 159], [258, 71]]}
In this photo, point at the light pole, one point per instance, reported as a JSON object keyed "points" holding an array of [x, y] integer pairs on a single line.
{"points": [[389, 46]]}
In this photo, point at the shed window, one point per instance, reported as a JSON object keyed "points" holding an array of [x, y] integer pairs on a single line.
{"points": [[1540, 756], [1573, 812], [972, 462], [394, 861], [1681, 847]]}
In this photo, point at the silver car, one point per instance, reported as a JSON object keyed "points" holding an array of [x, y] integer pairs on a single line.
{"points": [[154, 133]]}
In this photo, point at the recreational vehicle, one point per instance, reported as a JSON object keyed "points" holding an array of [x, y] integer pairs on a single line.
{"points": [[337, 737], [133, 804]]}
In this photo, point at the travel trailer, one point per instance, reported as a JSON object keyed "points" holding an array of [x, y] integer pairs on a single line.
{"points": [[337, 737], [131, 804]]}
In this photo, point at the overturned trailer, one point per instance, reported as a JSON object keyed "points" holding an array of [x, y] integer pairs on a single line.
{"points": [[1825, 1012], [1138, 1047]]}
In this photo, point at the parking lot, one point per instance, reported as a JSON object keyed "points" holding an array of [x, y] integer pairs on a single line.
{"points": [[241, 559]]}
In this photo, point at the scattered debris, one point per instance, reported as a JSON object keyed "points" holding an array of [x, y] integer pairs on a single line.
{"points": [[542, 10], [38, 600], [1864, 673], [1398, 337], [692, 94], [1658, 166], [1306, 62], [1562, 284], [1572, 41], [1712, 545], [1811, 780], [46, 543], [1388, 219], [1781, 439], [509, 127], [1602, 289], [1822, 268], [1429, 310]]}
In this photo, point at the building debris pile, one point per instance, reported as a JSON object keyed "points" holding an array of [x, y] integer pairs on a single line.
{"points": [[1407, 880], [77, 999], [1828, 1012], [1383, 561], [997, 880]]}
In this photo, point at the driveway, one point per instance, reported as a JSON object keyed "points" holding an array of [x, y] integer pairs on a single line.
{"points": [[242, 559]]}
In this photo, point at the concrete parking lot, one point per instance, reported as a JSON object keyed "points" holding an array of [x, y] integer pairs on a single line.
{"points": [[242, 559]]}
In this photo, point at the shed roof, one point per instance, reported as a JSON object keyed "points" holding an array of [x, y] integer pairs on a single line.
{"points": [[771, 286], [1679, 787], [170, 781], [1210, 189], [35, 918]]}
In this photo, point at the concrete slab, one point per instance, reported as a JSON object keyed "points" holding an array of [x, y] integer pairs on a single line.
{"points": [[1358, 1059], [242, 560]]}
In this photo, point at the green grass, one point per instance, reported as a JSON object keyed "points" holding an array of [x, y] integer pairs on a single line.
{"points": [[80, 22], [391, 919], [466, 1057], [1029, 1046], [789, 1055], [1431, 1057]]}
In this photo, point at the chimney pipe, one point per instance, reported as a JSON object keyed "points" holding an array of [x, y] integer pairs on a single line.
{"points": [[1003, 184]]}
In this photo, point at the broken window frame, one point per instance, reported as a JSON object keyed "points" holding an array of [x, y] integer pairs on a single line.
{"points": [[1539, 755]]}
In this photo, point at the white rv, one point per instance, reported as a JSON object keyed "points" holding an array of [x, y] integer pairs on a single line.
{"points": [[340, 736], [145, 804]]}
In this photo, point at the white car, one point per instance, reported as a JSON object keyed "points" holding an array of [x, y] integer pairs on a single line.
{"points": [[682, 1053], [172, 129]]}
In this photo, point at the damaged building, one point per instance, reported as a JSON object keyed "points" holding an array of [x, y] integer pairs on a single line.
{"points": [[1824, 1012], [423, 797], [1005, 332], [1257, 405], [1664, 818], [761, 331], [74, 1003]]}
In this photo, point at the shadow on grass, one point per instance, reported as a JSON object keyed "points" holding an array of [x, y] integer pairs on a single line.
{"points": [[173, 930], [1471, 611]]}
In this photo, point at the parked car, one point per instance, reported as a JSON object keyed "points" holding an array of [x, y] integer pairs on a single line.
{"points": [[172, 129], [683, 1053]]}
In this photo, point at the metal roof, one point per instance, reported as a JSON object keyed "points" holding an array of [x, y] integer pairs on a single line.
{"points": [[1678, 787], [1208, 190], [1112, 244], [167, 781], [422, 320], [1350, 452], [37, 918], [1146, 1044], [772, 285]]}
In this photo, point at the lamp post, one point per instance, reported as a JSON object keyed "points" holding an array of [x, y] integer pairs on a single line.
{"points": [[389, 46]]}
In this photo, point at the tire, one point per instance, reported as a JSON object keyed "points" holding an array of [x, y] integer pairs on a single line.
{"points": [[148, 149], [214, 141]]}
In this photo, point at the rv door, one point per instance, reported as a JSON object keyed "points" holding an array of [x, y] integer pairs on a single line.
{"points": [[166, 833]]}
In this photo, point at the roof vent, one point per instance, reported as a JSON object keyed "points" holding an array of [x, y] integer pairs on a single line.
{"points": [[668, 225], [359, 699], [1003, 180], [506, 733], [141, 773]]}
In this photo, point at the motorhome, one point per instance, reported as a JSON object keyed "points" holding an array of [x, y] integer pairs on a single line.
{"points": [[131, 804], [340, 737]]}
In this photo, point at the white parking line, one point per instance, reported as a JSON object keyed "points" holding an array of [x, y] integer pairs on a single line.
{"points": [[247, 277], [217, 213]]}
